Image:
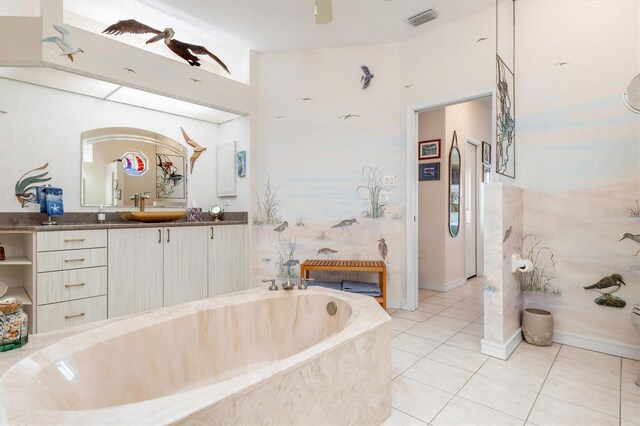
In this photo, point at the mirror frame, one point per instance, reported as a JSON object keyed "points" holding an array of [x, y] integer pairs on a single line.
{"points": [[135, 135], [454, 148]]}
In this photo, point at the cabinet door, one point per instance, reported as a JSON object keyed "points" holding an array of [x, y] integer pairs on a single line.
{"points": [[185, 264], [227, 259], [135, 270]]}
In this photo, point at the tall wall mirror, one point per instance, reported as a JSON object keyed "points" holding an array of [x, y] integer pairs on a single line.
{"points": [[454, 187], [118, 162]]}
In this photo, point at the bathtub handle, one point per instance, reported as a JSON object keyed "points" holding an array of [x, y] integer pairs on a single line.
{"points": [[273, 285]]}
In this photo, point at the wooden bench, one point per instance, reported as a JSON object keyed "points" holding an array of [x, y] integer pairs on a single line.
{"points": [[350, 266]]}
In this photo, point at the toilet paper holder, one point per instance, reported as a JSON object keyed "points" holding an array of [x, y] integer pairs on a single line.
{"points": [[520, 264]]}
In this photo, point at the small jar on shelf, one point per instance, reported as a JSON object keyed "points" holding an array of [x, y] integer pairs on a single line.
{"points": [[14, 325]]}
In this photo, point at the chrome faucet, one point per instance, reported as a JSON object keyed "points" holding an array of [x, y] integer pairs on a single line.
{"points": [[273, 285], [288, 285], [139, 199]]}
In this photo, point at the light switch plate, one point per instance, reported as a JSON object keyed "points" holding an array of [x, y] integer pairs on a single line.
{"points": [[389, 180], [387, 197]]}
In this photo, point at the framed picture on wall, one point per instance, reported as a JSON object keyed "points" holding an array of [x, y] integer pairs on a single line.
{"points": [[430, 171], [486, 153], [486, 173], [428, 150]]}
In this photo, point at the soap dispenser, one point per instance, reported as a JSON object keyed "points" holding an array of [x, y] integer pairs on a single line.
{"points": [[102, 216]]}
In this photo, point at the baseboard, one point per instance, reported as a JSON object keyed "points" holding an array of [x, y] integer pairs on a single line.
{"points": [[396, 304], [443, 287], [617, 349], [501, 351]]}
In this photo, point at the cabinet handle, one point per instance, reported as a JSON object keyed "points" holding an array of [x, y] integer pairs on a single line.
{"points": [[168, 234], [74, 260], [74, 285], [74, 316], [159, 236], [71, 240], [212, 232]]}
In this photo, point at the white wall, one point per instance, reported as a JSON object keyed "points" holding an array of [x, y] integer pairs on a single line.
{"points": [[44, 125]]}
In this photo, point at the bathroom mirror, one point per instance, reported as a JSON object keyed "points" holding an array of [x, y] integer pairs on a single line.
{"points": [[118, 162], [454, 187]]}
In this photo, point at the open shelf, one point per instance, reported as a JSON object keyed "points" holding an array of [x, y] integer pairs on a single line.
{"points": [[16, 260], [18, 293]]}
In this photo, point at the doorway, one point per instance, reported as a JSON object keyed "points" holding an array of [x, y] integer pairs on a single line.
{"points": [[455, 264]]}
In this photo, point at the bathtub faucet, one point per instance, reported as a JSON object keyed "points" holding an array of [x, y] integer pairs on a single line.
{"points": [[273, 285], [288, 285]]}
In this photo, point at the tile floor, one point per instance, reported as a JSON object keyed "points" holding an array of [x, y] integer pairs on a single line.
{"points": [[439, 376]]}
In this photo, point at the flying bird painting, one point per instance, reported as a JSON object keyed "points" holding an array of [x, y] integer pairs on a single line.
{"points": [[406, 86], [307, 99], [188, 52], [195, 80], [562, 64], [344, 117], [131, 70], [366, 78], [507, 234], [481, 39], [63, 43], [197, 150]]}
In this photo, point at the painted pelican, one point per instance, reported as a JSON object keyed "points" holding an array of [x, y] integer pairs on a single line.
{"points": [[63, 43], [186, 51]]}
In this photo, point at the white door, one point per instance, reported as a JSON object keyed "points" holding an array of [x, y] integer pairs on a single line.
{"points": [[185, 264], [471, 197]]}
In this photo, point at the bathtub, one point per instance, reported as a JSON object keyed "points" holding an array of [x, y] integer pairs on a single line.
{"points": [[254, 357]]}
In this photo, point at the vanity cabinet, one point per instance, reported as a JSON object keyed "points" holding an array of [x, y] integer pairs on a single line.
{"points": [[71, 278], [154, 267], [135, 270], [227, 259]]}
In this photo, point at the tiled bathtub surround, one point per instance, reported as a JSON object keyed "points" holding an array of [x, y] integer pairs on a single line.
{"points": [[441, 381], [246, 358]]}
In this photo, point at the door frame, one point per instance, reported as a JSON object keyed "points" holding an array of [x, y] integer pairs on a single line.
{"points": [[479, 207], [411, 180]]}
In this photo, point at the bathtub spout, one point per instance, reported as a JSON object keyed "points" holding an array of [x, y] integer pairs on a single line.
{"points": [[288, 285], [273, 285]]}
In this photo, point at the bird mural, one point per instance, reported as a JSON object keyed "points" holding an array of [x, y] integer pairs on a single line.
{"points": [[279, 116], [406, 86], [63, 43], [345, 224], [344, 117], [307, 99], [25, 186], [280, 228], [482, 39], [507, 234], [382, 248], [195, 80], [291, 263], [326, 251], [606, 286], [632, 237], [188, 52], [366, 78], [131, 70], [562, 64], [3, 112], [197, 150]]}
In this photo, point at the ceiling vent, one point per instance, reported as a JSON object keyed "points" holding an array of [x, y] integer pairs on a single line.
{"points": [[422, 17]]}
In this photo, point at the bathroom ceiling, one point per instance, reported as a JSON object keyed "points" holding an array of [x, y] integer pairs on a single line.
{"points": [[278, 25]]}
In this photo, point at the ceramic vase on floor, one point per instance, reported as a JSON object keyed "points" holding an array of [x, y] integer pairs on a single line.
{"points": [[537, 326]]}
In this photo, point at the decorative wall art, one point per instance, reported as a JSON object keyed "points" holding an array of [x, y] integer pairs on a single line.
{"points": [[366, 78], [186, 51], [429, 171], [170, 176], [486, 153], [241, 163], [25, 186], [197, 150], [135, 163], [486, 173], [505, 120], [63, 43], [428, 150]]}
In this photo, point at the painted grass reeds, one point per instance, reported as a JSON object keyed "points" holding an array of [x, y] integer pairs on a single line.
{"points": [[268, 206], [539, 279]]}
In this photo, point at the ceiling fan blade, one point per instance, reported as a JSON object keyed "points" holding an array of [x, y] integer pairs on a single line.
{"points": [[324, 11]]}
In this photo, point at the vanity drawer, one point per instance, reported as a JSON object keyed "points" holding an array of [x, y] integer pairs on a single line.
{"points": [[68, 314], [71, 259], [62, 286], [71, 240]]}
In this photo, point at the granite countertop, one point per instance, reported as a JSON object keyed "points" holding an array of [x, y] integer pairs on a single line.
{"points": [[81, 220]]}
